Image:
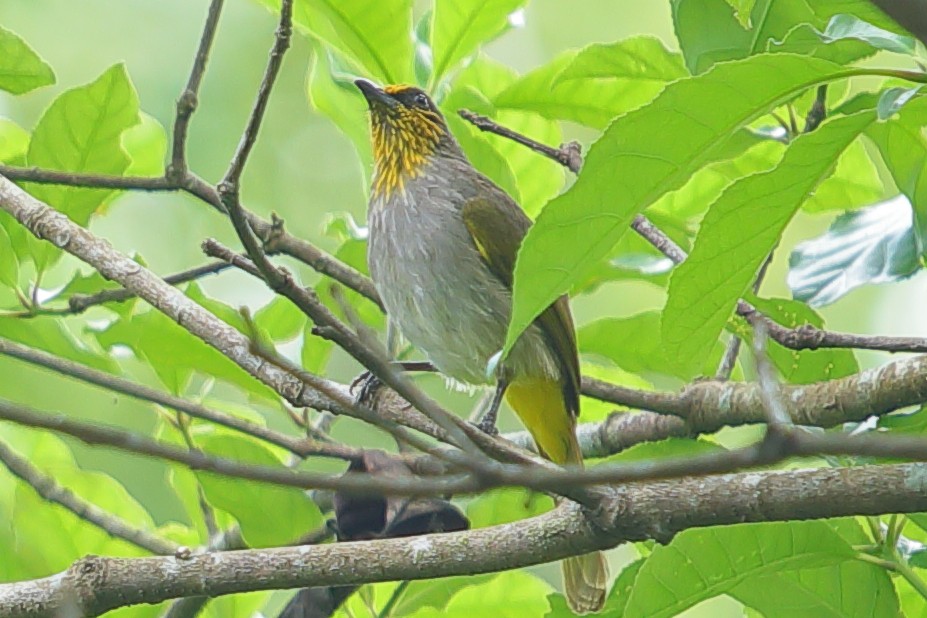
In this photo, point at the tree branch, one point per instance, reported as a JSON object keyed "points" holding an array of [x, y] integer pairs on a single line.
{"points": [[633, 512], [111, 524]]}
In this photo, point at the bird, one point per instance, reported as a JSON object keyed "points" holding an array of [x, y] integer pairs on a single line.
{"points": [[442, 244]]}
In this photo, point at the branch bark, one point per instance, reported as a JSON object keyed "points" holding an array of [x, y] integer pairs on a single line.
{"points": [[635, 512]]}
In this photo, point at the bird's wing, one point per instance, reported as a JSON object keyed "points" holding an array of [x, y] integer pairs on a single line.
{"points": [[497, 227]]}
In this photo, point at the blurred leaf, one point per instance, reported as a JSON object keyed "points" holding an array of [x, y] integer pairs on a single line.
{"points": [[870, 245], [174, 353], [146, 145], [738, 232], [802, 366], [632, 343], [315, 351], [703, 563], [483, 156], [596, 83], [854, 183], [269, 515], [332, 93], [376, 34], [903, 147], [667, 448], [424, 60], [808, 40], [906, 422], [433, 593], [657, 148], [14, 142], [21, 69], [459, 27], [81, 131], [280, 319], [507, 504], [9, 263], [709, 33], [511, 594], [53, 337]]}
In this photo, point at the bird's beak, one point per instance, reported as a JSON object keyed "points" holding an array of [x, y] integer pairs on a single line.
{"points": [[376, 97]]}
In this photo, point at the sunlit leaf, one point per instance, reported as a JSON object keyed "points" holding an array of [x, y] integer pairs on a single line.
{"points": [[596, 83], [21, 69], [738, 232], [870, 245], [701, 564], [460, 26], [656, 148], [14, 141]]}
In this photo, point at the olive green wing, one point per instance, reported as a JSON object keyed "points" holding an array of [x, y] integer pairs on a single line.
{"points": [[497, 227]]}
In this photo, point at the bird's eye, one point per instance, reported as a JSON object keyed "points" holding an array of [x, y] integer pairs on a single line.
{"points": [[421, 100]]}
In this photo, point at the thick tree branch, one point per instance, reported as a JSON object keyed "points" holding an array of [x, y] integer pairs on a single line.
{"points": [[51, 491], [636, 512]]}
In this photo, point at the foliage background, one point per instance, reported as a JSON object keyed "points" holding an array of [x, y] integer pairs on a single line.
{"points": [[305, 169]]}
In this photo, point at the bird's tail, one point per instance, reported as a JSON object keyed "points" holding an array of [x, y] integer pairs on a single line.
{"points": [[540, 406]]}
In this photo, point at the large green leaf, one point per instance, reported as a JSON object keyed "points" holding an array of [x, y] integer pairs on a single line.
{"points": [[903, 147], [870, 245], [14, 141], [597, 83], [268, 514], [643, 155], [21, 69], [737, 234], [511, 594], [81, 131], [460, 26], [374, 34], [701, 564], [708, 32]]}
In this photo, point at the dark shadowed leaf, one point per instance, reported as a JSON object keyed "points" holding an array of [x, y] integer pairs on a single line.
{"points": [[871, 245]]}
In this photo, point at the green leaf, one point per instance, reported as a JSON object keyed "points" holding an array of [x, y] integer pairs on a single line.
{"points": [[854, 183], [640, 157], [632, 343], [269, 515], [434, 593], [146, 145], [742, 9], [21, 69], [14, 141], [906, 422], [332, 92], [597, 83], [802, 366], [617, 599], [851, 589], [375, 34], [53, 337], [501, 506], [701, 564], [903, 147], [280, 319], [709, 33], [845, 26], [459, 27], [668, 448], [9, 263], [484, 156], [81, 131], [512, 594], [870, 245], [737, 234]]}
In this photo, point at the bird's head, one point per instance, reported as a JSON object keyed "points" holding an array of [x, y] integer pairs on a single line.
{"points": [[406, 129]]}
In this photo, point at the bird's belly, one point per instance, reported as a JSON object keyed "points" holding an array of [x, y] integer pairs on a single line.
{"points": [[445, 301]]}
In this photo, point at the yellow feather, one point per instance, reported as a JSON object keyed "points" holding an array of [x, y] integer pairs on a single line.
{"points": [[539, 404], [403, 140]]}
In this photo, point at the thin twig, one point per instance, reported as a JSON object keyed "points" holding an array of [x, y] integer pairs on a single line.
{"points": [[297, 446], [188, 100], [111, 524]]}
